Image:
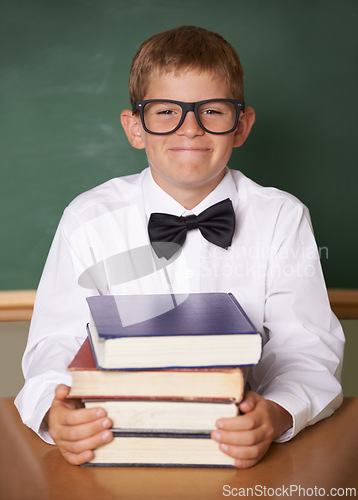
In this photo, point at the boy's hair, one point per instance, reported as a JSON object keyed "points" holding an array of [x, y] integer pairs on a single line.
{"points": [[182, 49]]}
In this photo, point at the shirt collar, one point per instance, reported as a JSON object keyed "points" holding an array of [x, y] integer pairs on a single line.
{"points": [[157, 200]]}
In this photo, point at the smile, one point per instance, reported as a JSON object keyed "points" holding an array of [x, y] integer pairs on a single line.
{"points": [[190, 150]]}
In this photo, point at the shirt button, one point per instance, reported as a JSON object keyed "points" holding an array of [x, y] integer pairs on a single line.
{"points": [[189, 273]]}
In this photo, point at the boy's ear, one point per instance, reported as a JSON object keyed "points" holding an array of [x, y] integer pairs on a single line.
{"points": [[132, 127], [244, 127]]}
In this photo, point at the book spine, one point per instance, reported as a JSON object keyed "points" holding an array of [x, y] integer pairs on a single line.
{"points": [[159, 434], [130, 464]]}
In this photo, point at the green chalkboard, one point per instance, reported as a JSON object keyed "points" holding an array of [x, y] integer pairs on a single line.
{"points": [[63, 82]]}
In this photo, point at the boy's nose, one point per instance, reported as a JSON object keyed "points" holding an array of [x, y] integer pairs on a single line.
{"points": [[190, 126]]}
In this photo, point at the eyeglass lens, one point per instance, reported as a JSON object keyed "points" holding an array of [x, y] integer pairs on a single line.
{"points": [[215, 116]]}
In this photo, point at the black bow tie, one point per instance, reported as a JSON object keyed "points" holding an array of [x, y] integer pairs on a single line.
{"points": [[167, 232]]}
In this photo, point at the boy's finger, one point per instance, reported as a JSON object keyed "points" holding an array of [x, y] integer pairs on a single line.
{"points": [[245, 452], [85, 431], [239, 438], [90, 443], [70, 417], [245, 422], [61, 392], [78, 458], [241, 463], [249, 402]]}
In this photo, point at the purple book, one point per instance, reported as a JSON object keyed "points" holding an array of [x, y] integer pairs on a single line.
{"points": [[171, 331]]}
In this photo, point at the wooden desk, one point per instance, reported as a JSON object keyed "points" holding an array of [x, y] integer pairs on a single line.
{"points": [[322, 456]]}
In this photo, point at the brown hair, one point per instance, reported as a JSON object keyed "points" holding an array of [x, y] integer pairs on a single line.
{"points": [[182, 49]]}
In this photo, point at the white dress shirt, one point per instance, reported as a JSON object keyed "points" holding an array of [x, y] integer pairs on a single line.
{"points": [[272, 268]]}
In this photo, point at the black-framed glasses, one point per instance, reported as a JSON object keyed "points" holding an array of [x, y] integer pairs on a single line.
{"points": [[164, 116]]}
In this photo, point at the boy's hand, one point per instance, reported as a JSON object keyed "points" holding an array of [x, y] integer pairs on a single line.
{"points": [[247, 437], [77, 431]]}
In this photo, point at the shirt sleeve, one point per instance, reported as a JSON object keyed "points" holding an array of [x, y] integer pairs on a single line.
{"points": [[302, 356], [58, 328]]}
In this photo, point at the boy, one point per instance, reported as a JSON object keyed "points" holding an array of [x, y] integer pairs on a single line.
{"points": [[265, 255]]}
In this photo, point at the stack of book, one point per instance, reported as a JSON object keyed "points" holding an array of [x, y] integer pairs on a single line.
{"points": [[165, 368]]}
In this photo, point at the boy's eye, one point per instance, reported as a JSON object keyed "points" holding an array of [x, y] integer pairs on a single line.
{"points": [[217, 108], [166, 112], [211, 111], [162, 109]]}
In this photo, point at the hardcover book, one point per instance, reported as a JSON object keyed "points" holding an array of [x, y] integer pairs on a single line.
{"points": [[170, 417], [171, 331], [174, 384], [184, 450]]}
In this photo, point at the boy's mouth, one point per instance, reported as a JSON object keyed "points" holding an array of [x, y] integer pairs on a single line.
{"points": [[189, 150]]}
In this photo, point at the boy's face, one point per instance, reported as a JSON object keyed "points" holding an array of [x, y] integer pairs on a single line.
{"points": [[189, 163]]}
